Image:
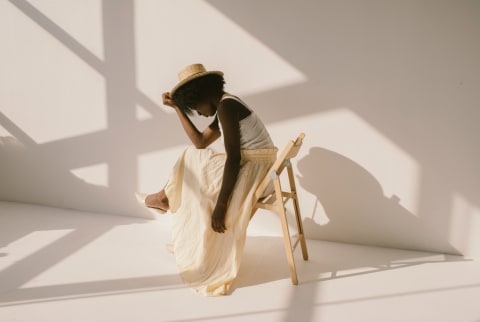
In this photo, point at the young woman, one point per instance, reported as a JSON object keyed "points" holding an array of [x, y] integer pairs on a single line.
{"points": [[211, 194]]}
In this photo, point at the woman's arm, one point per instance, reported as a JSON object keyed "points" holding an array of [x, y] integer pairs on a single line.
{"points": [[229, 119], [199, 139]]}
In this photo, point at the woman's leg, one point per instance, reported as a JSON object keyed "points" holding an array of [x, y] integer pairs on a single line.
{"points": [[157, 200]]}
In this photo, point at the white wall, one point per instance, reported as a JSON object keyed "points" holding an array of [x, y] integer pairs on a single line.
{"points": [[387, 93]]}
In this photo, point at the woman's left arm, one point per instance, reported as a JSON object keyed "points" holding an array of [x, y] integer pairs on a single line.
{"points": [[229, 119]]}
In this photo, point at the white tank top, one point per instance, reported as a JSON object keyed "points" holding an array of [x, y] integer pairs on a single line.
{"points": [[253, 134]]}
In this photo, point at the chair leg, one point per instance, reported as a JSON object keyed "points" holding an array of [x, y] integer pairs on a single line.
{"points": [[298, 217], [286, 232], [301, 234]]}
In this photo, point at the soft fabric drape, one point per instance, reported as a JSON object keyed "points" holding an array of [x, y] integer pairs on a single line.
{"points": [[206, 260]]}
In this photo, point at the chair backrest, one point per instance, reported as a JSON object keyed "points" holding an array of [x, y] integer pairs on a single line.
{"points": [[290, 151]]}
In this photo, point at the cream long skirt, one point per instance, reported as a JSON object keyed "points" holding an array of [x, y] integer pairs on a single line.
{"points": [[209, 261]]}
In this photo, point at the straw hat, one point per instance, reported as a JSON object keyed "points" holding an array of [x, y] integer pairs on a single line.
{"points": [[191, 72]]}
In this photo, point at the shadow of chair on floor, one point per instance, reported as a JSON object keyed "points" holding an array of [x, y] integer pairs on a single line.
{"points": [[264, 261]]}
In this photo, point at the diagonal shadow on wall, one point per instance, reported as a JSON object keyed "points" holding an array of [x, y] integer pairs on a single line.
{"points": [[41, 172], [388, 65], [46, 177]]}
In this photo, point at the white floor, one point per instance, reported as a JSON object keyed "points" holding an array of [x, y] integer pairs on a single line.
{"points": [[62, 265]]}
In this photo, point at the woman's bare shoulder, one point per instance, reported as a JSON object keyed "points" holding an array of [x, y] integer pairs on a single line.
{"points": [[233, 104]]}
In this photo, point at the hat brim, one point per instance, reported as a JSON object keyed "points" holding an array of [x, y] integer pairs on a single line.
{"points": [[192, 77]]}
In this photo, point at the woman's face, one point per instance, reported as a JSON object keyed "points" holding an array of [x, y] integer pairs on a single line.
{"points": [[206, 109]]}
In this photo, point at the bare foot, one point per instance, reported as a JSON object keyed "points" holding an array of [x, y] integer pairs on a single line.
{"points": [[157, 200]]}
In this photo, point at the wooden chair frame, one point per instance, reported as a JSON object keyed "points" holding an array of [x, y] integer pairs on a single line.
{"points": [[276, 200]]}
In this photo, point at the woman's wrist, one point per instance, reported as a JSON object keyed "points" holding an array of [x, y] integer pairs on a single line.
{"points": [[221, 204], [179, 110]]}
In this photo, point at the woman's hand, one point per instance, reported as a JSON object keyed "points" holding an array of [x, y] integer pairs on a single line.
{"points": [[167, 100], [218, 219]]}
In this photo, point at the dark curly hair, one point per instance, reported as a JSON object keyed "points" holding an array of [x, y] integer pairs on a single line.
{"points": [[197, 91]]}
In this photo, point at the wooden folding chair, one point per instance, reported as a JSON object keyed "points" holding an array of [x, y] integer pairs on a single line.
{"points": [[276, 200]]}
